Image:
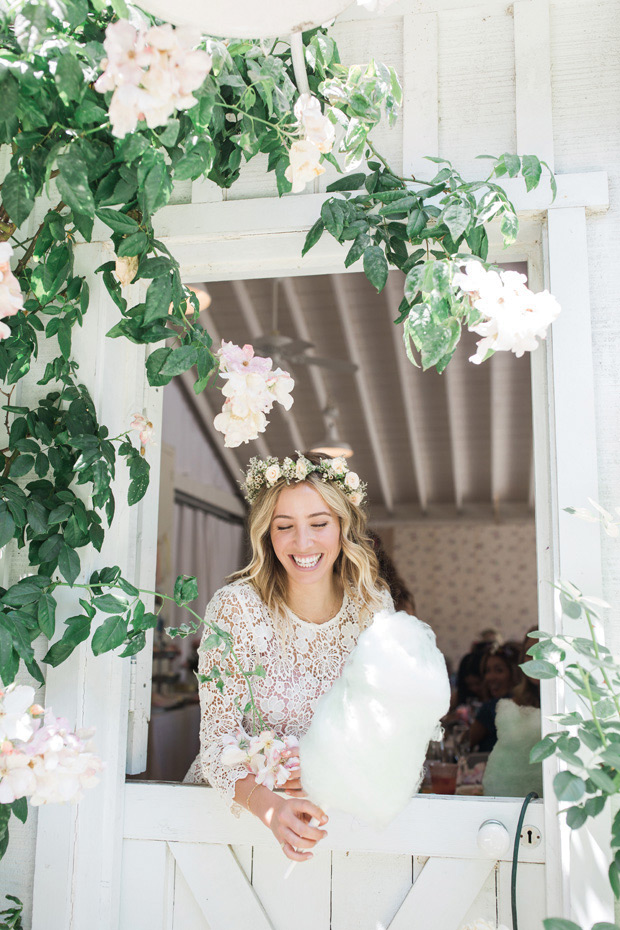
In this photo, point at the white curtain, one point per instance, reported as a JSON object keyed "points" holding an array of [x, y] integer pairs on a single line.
{"points": [[208, 547]]}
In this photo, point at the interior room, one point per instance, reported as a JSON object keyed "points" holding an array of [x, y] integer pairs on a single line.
{"points": [[448, 460]]}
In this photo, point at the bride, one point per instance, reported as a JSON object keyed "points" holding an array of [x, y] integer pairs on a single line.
{"points": [[297, 609]]}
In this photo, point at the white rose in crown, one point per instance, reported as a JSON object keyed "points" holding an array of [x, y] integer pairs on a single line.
{"points": [[356, 498], [352, 480], [300, 470], [339, 466], [272, 474]]}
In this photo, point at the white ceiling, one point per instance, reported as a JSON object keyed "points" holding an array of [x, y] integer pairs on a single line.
{"points": [[428, 444]]}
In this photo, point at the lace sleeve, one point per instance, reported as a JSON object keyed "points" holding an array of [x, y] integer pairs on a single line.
{"points": [[220, 714], [386, 600]]}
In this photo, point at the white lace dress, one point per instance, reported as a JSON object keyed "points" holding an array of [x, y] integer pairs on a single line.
{"points": [[294, 679]]}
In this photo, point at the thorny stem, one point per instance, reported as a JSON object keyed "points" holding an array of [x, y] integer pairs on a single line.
{"points": [[386, 165]]}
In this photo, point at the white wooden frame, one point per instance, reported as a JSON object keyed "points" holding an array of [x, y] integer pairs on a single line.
{"points": [[79, 852]]}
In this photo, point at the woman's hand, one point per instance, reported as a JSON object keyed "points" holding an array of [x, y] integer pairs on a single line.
{"points": [[289, 821]]}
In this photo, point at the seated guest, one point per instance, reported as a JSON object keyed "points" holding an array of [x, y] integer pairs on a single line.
{"points": [[500, 675], [509, 773]]}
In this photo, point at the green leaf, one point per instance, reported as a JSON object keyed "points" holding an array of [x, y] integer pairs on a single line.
{"points": [[69, 78], [376, 266], [133, 245], [51, 548], [73, 183], [416, 223], [576, 817], [154, 364], [20, 810], [509, 227], [542, 750], [68, 563], [21, 466], [9, 660], [109, 635], [158, 300], [313, 236], [602, 780], [333, 217], [568, 787], [531, 170], [117, 221], [7, 527], [17, 196], [350, 182], [457, 217], [179, 361], [135, 644], [46, 615], [185, 589], [60, 514], [110, 604], [157, 187], [137, 489], [570, 606], [614, 879], [78, 629], [605, 925], [539, 668]]}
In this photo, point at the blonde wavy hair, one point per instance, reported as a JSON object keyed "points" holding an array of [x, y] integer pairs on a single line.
{"points": [[356, 566]]}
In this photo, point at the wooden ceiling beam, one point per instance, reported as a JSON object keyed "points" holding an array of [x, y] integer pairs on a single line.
{"points": [[453, 407], [255, 329], [300, 325], [500, 394], [345, 315], [412, 401]]}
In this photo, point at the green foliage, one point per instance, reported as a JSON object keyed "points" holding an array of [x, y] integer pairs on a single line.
{"points": [[11, 916], [587, 740], [427, 229]]}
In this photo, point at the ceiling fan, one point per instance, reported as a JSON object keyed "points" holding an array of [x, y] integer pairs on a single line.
{"points": [[284, 350]]}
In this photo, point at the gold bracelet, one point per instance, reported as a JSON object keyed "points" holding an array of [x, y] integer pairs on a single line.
{"points": [[247, 800]]}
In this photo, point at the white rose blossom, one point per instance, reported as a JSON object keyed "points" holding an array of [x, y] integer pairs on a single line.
{"points": [[272, 474], [40, 758], [317, 128], [356, 498], [301, 470], [514, 317], [305, 164], [352, 480], [339, 465], [251, 390], [152, 73]]}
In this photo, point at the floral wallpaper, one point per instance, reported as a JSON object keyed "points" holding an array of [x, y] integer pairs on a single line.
{"points": [[469, 576]]}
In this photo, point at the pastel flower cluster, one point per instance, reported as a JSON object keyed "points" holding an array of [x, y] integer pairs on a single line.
{"points": [[318, 138], [266, 472], [262, 756], [144, 428], [40, 758], [152, 73], [514, 317], [11, 297], [252, 387]]}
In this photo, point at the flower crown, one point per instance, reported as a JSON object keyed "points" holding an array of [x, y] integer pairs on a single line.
{"points": [[266, 472]]}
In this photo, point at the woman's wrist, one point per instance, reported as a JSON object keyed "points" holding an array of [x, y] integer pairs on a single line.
{"points": [[264, 804]]}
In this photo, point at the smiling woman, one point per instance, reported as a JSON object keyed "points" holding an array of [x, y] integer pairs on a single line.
{"points": [[295, 612]]}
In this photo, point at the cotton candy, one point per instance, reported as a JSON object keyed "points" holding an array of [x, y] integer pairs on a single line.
{"points": [[364, 750]]}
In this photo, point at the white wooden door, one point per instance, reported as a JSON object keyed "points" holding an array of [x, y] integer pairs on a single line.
{"points": [[206, 870]]}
